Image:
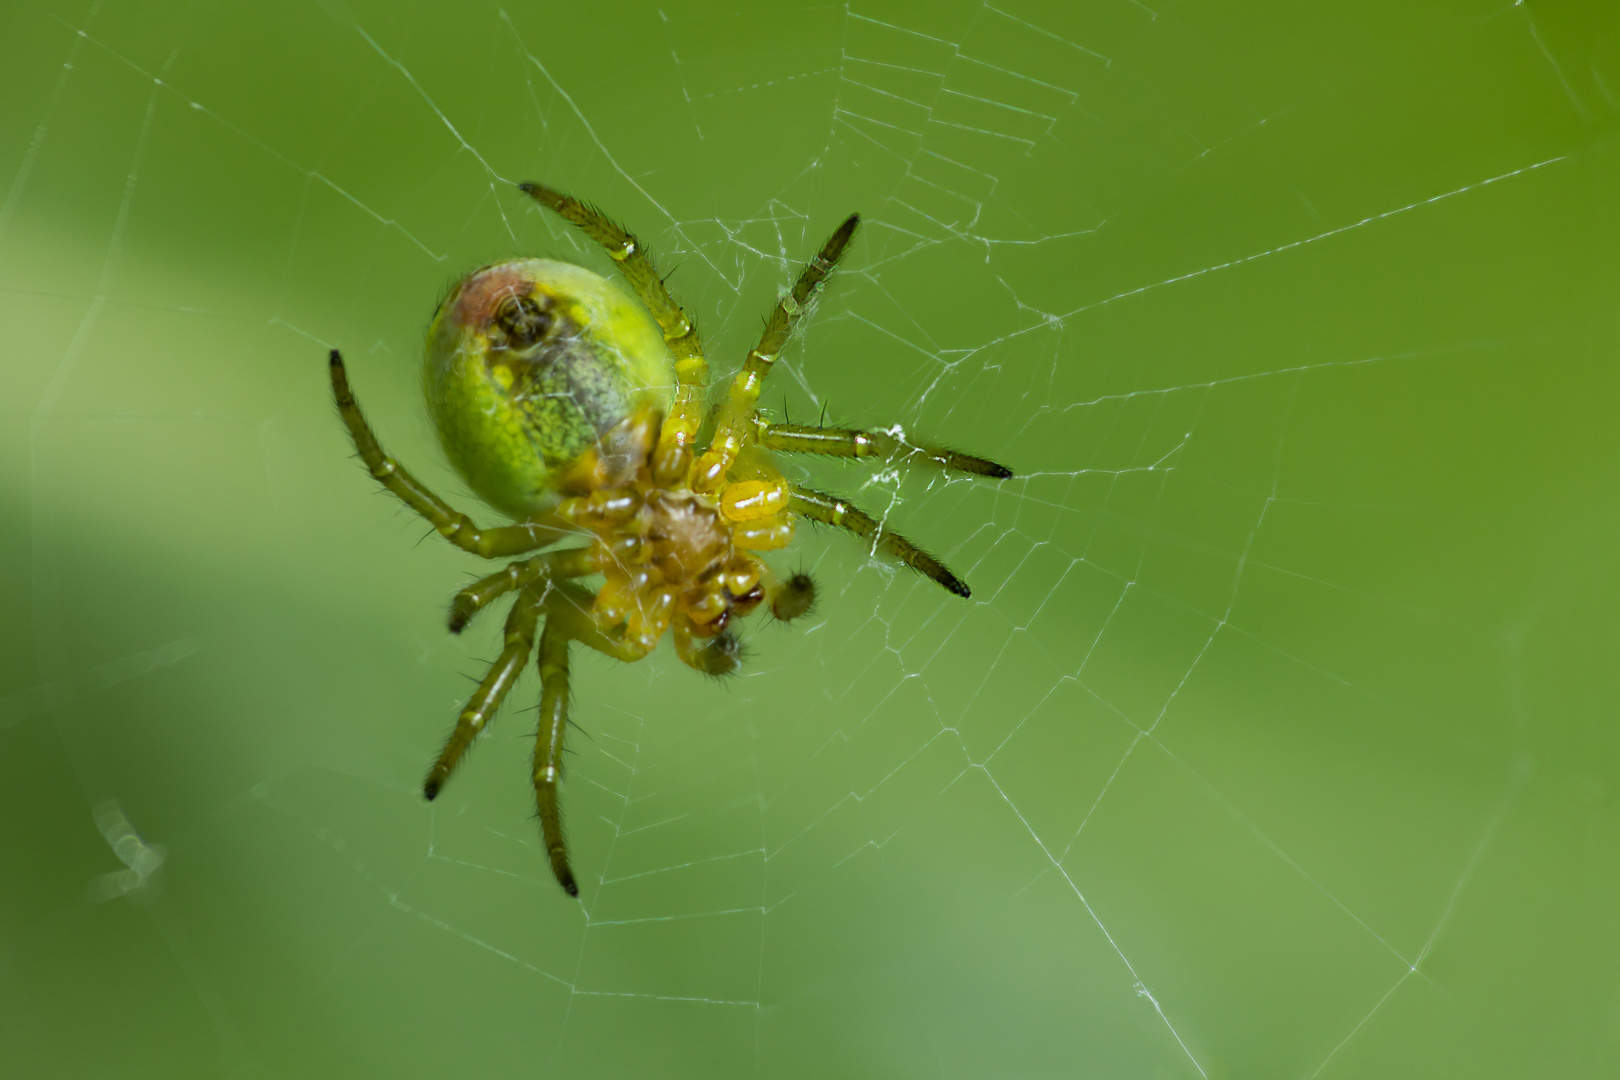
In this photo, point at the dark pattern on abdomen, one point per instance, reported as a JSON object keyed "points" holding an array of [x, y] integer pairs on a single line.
{"points": [[571, 395]]}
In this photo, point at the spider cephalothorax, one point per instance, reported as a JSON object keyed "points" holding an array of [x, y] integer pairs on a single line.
{"points": [[578, 414], [676, 559]]}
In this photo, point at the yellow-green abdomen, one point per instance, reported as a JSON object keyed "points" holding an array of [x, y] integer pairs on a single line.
{"points": [[528, 363]]}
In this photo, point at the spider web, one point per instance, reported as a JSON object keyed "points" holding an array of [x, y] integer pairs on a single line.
{"points": [[1264, 746]]}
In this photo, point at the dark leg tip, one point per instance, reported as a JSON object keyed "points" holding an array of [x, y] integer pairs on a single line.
{"points": [[430, 789], [559, 868], [956, 585], [335, 358], [977, 466]]}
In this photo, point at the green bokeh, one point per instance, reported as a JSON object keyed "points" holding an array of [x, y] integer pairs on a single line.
{"points": [[1278, 739]]}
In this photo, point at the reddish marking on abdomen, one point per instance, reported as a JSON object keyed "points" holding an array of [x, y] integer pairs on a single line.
{"points": [[483, 289]]}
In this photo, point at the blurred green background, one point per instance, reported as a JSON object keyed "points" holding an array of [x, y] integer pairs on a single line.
{"points": [[1278, 739]]}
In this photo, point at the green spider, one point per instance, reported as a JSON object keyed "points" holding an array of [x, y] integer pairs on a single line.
{"points": [[552, 395]]}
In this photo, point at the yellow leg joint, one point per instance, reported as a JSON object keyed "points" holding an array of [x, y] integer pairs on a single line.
{"points": [[750, 500]]}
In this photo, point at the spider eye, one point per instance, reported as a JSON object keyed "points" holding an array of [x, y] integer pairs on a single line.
{"points": [[522, 320]]}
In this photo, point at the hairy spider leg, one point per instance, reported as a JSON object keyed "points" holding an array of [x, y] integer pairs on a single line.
{"points": [[535, 579], [831, 510], [548, 747], [735, 421], [855, 443], [451, 524], [492, 690], [568, 619], [677, 438], [553, 565]]}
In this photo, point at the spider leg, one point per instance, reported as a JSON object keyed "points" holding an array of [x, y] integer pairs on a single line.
{"points": [[552, 566], [737, 412], [831, 510], [548, 748], [453, 525], [854, 443], [520, 625], [569, 608], [679, 433]]}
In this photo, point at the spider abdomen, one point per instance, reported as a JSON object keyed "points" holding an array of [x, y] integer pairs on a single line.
{"points": [[529, 364]]}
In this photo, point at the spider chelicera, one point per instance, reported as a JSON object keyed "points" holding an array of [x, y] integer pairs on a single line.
{"points": [[551, 392]]}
